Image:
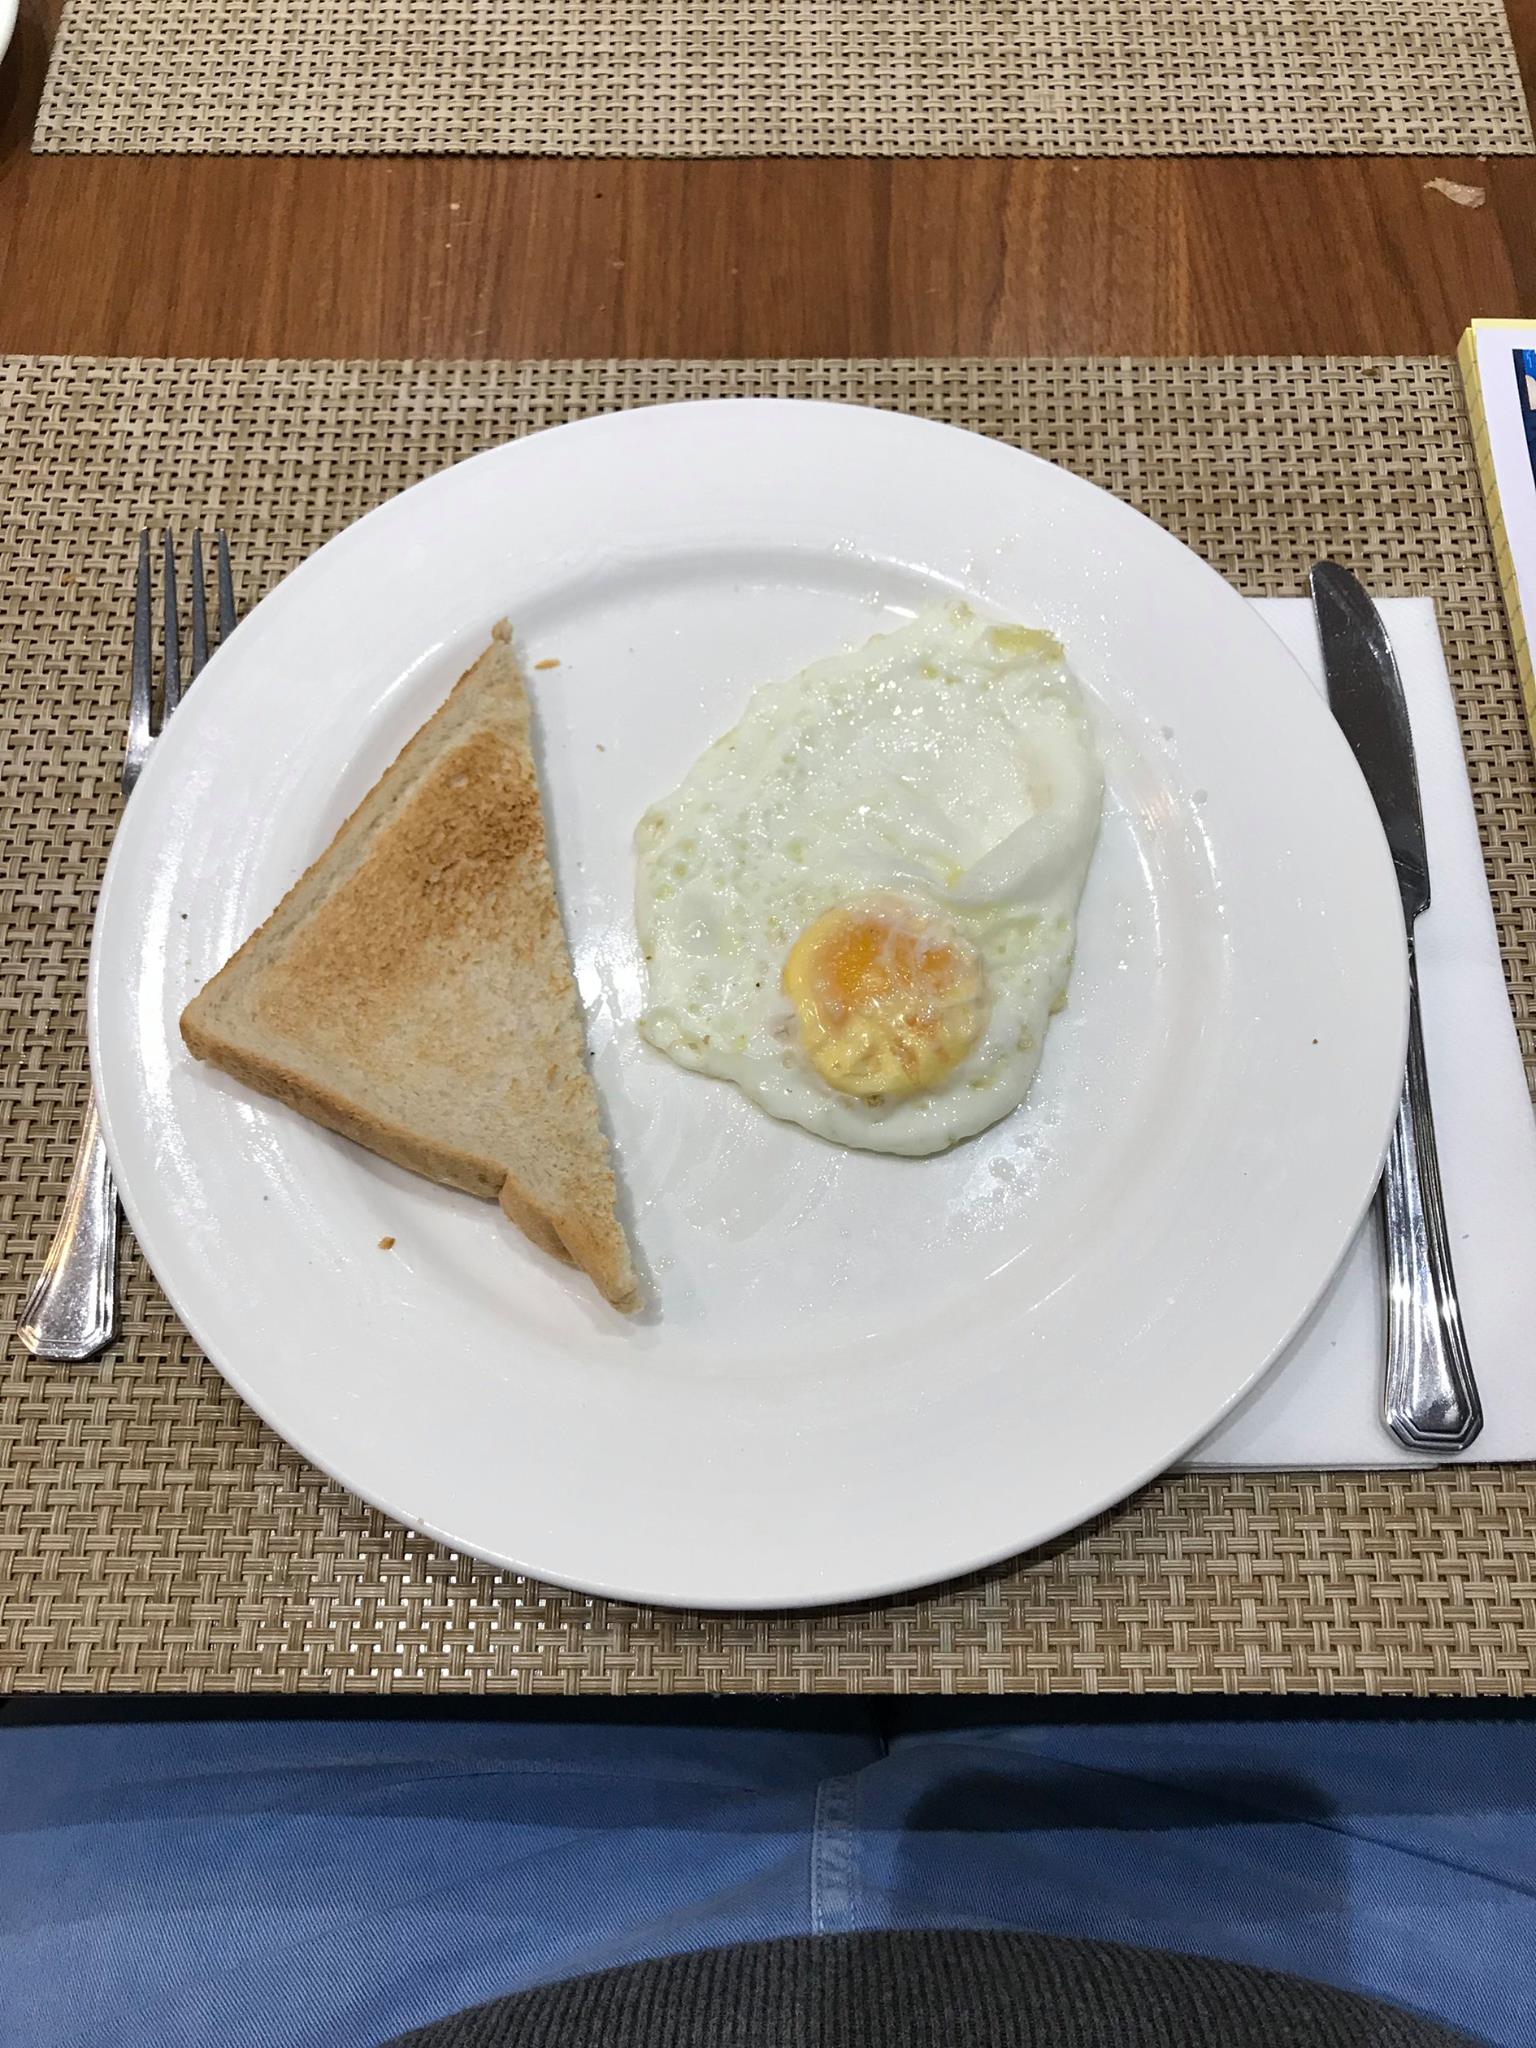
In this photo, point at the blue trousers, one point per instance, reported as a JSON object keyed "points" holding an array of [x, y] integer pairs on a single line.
{"points": [[262, 1882]]}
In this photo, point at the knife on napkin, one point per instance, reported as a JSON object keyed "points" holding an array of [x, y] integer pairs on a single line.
{"points": [[1430, 1399]]}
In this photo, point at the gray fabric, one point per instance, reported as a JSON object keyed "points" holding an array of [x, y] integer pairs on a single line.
{"points": [[932, 1990]]}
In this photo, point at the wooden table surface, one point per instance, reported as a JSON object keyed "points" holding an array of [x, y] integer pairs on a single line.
{"points": [[505, 257]]}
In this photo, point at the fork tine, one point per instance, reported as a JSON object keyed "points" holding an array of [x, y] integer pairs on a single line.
{"points": [[171, 684], [226, 589], [139, 686], [199, 606]]}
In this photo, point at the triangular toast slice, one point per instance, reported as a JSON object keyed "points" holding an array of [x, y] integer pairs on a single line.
{"points": [[414, 992]]}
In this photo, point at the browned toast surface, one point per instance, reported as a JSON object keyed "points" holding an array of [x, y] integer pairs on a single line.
{"points": [[414, 992]]}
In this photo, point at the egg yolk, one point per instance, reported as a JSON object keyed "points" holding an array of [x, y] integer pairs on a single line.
{"points": [[889, 1001]]}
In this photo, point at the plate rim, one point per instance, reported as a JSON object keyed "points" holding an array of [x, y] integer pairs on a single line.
{"points": [[848, 1591]]}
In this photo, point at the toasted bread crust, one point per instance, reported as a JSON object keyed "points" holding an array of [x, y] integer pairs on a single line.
{"points": [[454, 1169], [413, 991]]}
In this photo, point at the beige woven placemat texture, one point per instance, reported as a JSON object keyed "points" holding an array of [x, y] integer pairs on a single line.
{"points": [[795, 78], [153, 1534]]}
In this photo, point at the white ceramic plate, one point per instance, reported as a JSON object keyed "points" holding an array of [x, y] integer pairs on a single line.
{"points": [[859, 1373], [8, 10]]}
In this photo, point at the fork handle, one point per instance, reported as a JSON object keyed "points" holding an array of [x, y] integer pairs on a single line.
{"points": [[1430, 1400], [71, 1313]]}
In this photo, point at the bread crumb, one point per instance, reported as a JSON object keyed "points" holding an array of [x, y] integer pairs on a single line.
{"points": [[386, 1244], [549, 661], [601, 748], [1459, 195]]}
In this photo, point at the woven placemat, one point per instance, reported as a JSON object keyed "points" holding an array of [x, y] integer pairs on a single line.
{"points": [[153, 1534], [796, 78]]}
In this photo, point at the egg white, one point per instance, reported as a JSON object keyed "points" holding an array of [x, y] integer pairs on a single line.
{"points": [[949, 766]]}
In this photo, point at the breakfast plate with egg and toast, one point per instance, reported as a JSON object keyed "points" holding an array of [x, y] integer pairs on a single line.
{"points": [[748, 1003]]}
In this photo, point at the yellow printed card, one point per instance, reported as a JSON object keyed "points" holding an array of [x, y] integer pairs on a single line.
{"points": [[1498, 362]]}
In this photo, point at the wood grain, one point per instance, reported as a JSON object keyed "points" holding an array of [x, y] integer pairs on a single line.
{"points": [[494, 257]]}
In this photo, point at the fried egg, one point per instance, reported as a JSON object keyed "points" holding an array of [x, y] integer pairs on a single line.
{"points": [[859, 905]]}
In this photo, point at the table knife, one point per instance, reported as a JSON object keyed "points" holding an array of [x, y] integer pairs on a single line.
{"points": [[1430, 1399]]}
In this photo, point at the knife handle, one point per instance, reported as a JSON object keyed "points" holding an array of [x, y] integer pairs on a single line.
{"points": [[1430, 1400]]}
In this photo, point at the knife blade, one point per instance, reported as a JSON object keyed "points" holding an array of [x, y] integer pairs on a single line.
{"points": [[1429, 1395], [1365, 693]]}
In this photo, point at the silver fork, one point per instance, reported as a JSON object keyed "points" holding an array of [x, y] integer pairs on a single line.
{"points": [[71, 1312]]}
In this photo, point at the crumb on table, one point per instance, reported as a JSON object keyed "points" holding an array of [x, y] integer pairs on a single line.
{"points": [[386, 1244], [549, 661]]}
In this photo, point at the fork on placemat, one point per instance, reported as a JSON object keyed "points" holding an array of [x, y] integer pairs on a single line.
{"points": [[71, 1312]]}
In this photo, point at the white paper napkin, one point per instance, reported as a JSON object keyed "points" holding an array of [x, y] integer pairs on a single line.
{"points": [[1320, 1406]]}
